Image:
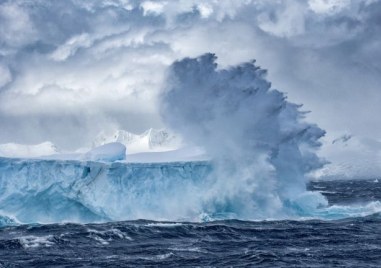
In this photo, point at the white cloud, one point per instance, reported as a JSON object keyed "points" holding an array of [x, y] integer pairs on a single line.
{"points": [[16, 27], [5, 76], [71, 46], [328, 6], [205, 10], [153, 7], [286, 21]]}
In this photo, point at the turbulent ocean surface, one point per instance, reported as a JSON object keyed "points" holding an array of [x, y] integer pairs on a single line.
{"points": [[350, 242]]}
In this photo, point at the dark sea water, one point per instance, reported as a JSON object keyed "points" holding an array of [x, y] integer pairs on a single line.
{"points": [[351, 242]]}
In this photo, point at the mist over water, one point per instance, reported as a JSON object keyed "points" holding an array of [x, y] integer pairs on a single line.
{"points": [[259, 142]]}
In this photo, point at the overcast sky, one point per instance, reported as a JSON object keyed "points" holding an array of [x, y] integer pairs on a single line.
{"points": [[69, 69]]}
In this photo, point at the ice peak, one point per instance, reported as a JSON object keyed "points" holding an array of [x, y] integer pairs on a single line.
{"points": [[150, 140]]}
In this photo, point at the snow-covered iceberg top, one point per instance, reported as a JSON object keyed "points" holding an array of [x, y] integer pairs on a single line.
{"points": [[109, 153], [151, 140], [153, 145], [15, 150]]}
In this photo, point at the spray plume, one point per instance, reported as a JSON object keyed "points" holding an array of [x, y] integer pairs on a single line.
{"points": [[260, 145]]}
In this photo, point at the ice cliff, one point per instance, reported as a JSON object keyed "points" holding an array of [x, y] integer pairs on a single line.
{"points": [[50, 191]]}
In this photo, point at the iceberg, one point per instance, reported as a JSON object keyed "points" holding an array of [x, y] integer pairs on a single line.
{"points": [[51, 191], [58, 191]]}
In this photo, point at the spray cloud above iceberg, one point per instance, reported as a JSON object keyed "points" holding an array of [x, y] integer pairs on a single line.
{"points": [[259, 143]]}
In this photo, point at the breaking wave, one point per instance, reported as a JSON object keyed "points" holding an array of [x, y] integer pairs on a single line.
{"points": [[259, 142]]}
